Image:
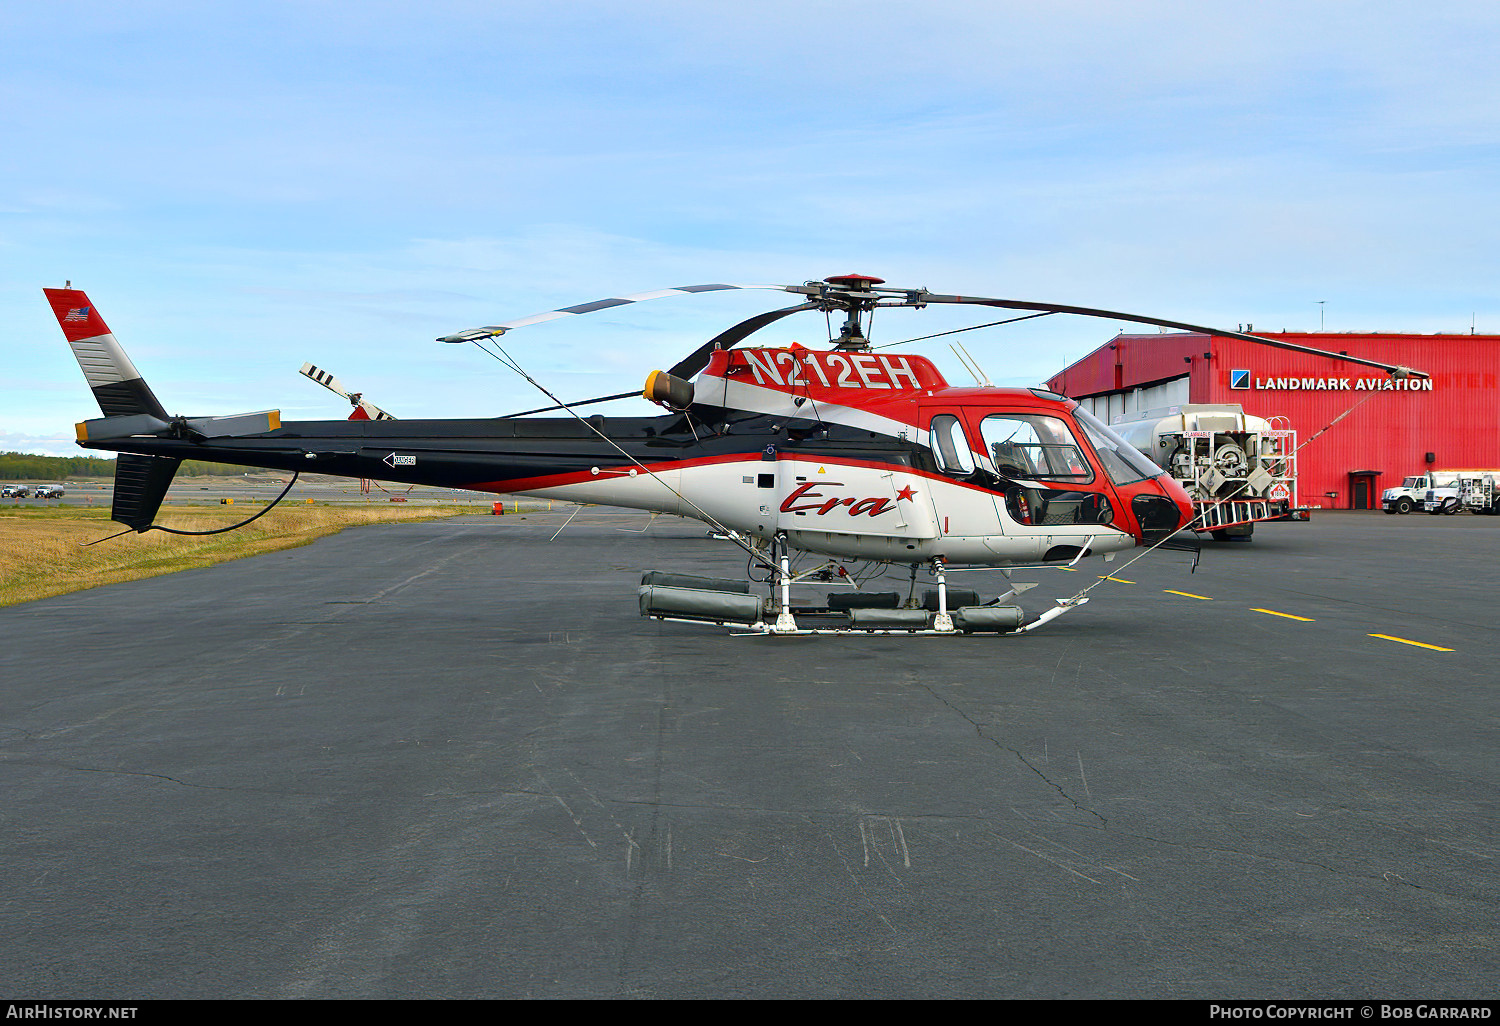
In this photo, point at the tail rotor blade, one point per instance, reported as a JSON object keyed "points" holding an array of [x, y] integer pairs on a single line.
{"points": [[363, 408], [325, 379], [371, 411]]}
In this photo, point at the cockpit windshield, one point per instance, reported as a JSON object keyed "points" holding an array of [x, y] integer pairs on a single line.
{"points": [[1124, 463]]}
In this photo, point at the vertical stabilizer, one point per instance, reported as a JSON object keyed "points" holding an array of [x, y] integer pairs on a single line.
{"points": [[116, 384]]}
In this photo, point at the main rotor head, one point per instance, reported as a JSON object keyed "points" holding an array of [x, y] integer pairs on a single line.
{"points": [[857, 295]]}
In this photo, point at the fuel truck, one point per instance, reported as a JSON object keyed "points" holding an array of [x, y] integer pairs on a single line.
{"points": [[1238, 469]]}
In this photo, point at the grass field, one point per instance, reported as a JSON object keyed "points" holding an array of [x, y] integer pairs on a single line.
{"points": [[44, 551]]}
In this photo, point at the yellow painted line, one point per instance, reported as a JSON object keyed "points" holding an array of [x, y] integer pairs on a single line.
{"points": [[1408, 641], [1188, 594], [1289, 616]]}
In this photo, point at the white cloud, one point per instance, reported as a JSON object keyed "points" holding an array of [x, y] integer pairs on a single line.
{"points": [[40, 445]]}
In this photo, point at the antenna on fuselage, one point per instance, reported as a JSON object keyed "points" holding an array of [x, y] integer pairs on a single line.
{"points": [[979, 374], [973, 372]]}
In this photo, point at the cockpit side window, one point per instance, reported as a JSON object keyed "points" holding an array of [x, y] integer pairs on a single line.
{"points": [[950, 446], [1027, 446]]}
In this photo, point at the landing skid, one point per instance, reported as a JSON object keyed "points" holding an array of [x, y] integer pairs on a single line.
{"points": [[800, 624], [1063, 606], [720, 602]]}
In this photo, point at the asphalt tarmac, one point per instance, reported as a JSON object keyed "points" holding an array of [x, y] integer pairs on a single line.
{"points": [[450, 760]]}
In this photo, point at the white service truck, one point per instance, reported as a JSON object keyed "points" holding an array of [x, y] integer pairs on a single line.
{"points": [[1406, 496], [1237, 469], [1445, 491]]}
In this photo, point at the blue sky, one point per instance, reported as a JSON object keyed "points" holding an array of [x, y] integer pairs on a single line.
{"points": [[244, 187]]}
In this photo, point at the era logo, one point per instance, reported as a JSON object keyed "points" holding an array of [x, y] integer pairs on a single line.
{"points": [[823, 505]]}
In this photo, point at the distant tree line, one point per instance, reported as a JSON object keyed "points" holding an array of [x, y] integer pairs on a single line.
{"points": [[24, 466]]}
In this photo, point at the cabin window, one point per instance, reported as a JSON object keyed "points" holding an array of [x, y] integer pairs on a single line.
{"points": [[950, 446], [1124, 463], [1027, 446]]}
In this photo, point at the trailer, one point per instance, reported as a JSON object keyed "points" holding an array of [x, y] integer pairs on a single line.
{"points": [[1239, 470]]}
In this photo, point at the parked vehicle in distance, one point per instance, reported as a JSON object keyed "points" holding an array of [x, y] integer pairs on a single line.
{"points": [[1444, 492], [15, 491], [49, 491], [1406, 496], [1480, 494]]}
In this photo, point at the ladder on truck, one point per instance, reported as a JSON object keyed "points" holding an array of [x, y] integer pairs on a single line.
{"points": [[1285, 464], [1215, 514]]}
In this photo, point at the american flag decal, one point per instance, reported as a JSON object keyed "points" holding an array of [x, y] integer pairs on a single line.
{"points": [[80, 314]]}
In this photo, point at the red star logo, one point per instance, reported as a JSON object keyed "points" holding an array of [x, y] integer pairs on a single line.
{"points": [[905, 493]]}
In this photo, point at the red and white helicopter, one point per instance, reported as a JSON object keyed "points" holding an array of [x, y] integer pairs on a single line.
{"points": [[866, 458]]}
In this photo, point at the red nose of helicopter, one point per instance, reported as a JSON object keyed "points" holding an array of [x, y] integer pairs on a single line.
{"points": [[1162, 507], [1179, 495]]}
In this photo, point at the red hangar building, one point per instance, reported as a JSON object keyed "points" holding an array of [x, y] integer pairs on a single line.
{"points": [[1397, 428]]}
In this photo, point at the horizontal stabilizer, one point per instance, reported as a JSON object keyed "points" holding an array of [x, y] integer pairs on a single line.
{"points": [[122, 427], [141, 483], [194, 428], [236, 425]]}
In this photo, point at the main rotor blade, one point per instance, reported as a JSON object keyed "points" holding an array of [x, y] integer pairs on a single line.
{"points": [[569, 406], [494, 330], [1115, 315], [698, 359], [874, 296]]}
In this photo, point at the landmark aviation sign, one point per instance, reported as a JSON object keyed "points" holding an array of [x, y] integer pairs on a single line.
{"points": [[1242, 379]]}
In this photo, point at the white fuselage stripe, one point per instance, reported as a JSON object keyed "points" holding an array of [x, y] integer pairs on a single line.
{"points": [[773, 402], [970, 527]]}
